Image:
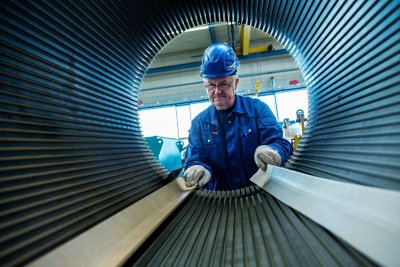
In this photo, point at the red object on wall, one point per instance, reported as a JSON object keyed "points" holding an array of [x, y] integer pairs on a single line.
{"points": [[140, 102], [293, 82]]}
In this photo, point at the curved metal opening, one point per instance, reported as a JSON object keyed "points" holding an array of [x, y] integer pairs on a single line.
{"points": [[172, 92], [72, 152]]}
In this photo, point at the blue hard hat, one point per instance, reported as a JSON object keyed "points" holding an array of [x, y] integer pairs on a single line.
{"points": [[219, 60]]}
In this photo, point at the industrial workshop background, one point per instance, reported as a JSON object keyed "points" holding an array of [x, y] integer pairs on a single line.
{"points": [[72, 151]]}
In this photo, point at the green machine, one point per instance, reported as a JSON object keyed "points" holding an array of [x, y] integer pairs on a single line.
{"points": [[167, 151]]}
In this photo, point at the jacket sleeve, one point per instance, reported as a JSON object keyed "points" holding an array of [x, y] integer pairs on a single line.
{"points": [[270, 133], [195, 154]]}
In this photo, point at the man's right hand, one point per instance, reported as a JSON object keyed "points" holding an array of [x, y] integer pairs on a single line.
{"points": [[196, 174]]}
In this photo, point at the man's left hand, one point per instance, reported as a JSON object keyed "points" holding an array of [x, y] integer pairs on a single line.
{"points": [[265, 155]]}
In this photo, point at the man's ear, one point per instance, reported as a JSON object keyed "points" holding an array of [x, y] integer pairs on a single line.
{"points": [[236, 83]]}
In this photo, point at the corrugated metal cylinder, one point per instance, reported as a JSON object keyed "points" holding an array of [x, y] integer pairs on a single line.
{"points": [[72, 153], [244, 227]]}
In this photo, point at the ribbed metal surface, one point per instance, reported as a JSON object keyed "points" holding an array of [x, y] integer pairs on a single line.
{"points": [[349, 54], [71, 149], [245, 228], [72, 153]]}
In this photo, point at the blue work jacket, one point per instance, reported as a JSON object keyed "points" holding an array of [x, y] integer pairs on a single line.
{"points": [[229, 154]]}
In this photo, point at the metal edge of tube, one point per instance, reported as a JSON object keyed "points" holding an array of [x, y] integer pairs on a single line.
{"points": [[112, 241], [368, 218]]}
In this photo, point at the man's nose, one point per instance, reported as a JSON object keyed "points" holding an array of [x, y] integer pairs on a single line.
{"points": [[218, 89]]}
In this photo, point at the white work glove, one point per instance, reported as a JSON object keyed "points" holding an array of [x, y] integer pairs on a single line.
{"points": [[196, 174], [265, 155]]}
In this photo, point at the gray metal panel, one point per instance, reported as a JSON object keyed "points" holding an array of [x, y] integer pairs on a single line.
{"points": [[360, 215], [71, 148]]}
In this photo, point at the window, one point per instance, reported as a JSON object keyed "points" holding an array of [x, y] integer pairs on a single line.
{"points": [[196, 108], [270, 101], [175, 121], [289, 102], [159, 122], [184, 120]]}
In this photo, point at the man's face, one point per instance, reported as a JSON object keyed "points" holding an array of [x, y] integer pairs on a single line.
{"points": [[221, 91]]}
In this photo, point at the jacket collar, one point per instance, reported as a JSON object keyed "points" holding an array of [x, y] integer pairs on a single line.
{"points": [[237, 108]]}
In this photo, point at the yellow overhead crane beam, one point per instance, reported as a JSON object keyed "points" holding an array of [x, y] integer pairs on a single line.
{"points": [[245, 48], [245, 39]]}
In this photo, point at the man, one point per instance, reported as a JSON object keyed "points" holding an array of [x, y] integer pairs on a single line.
{"points": [[235, 135]]}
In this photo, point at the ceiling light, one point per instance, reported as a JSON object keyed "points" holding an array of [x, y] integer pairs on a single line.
{"points": [[197, 28]]}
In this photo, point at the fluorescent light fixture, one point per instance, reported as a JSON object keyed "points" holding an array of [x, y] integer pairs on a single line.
{"points": [[206, 26], [197, 28]]}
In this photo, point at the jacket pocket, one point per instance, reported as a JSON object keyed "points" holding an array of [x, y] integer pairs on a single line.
{"points": [[210, 136], [248, 138], [211, 140]]}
